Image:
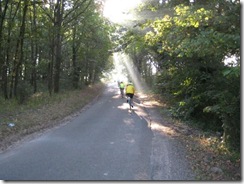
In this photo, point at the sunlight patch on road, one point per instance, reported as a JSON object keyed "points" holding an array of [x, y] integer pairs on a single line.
{"points": [[116, 96], [124, 106], [163, 129], [142, 114], [152, 104]]}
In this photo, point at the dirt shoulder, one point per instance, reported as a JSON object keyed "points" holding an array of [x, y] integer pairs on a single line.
{"points": [[207, 156]]}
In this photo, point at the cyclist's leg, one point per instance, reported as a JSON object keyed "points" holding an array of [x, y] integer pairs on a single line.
{"points": [[131, 97], [130, 100], [121, 92]]}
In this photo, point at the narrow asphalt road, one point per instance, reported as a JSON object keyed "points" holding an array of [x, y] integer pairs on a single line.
{"points": [[104, 142]]}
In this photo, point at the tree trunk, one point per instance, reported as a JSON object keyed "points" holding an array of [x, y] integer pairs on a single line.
{"points": [[19, 48], [3, 65], [50, 70], [34, 52], [74, 60], [58, 42]]}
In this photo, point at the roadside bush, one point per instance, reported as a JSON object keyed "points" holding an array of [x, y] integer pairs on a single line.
{"points": [[211, 100]]}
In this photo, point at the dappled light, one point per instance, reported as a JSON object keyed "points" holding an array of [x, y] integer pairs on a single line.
{"points": [[116, 96], [124, 106], [142, 114], [149, 104], [163, 129]]}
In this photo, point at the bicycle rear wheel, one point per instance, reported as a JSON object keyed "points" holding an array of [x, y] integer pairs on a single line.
{"points": [[129, 101]]}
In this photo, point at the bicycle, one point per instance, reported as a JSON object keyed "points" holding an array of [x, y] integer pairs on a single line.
{"points": [[122, 92], [130, 102]]}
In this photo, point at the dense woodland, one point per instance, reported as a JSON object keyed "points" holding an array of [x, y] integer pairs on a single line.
{"points": [[50, 44], [53, 45], [189, 49]]}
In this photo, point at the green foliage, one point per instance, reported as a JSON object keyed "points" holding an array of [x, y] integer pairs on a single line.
{"points": [[191, 46], [80, 31]]}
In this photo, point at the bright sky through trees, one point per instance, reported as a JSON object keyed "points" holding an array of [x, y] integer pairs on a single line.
{"points": [[118, 11]]}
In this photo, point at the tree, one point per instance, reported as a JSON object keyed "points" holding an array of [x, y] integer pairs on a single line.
{"points": [[189, 48], [43, 42], [3, 64]]}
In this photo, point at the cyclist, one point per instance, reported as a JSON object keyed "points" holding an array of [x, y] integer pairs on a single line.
{"points": [[122, 87], [130, 91]]}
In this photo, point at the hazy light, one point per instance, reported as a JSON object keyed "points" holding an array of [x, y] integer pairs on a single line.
{"points": [[119, 73], [122, 60], [118, 10]]}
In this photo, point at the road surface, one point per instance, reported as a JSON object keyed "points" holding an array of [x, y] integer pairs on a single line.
{"points": [[103, 142]]}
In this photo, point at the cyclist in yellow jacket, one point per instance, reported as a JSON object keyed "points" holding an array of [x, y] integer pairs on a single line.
{"points": [[130, 91]]}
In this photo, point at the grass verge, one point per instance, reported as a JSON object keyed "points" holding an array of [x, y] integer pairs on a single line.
{"points": [[210, 159], [42, 111]]}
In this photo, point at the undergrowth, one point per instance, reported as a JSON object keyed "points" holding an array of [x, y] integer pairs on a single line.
{"points": [[40, 111]]}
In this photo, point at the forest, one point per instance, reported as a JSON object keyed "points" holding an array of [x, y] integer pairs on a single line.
{"points": [[58, 45], [50, 44]]}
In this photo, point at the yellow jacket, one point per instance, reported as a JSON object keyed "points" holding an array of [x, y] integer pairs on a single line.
{"points": [[130, 89]]}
